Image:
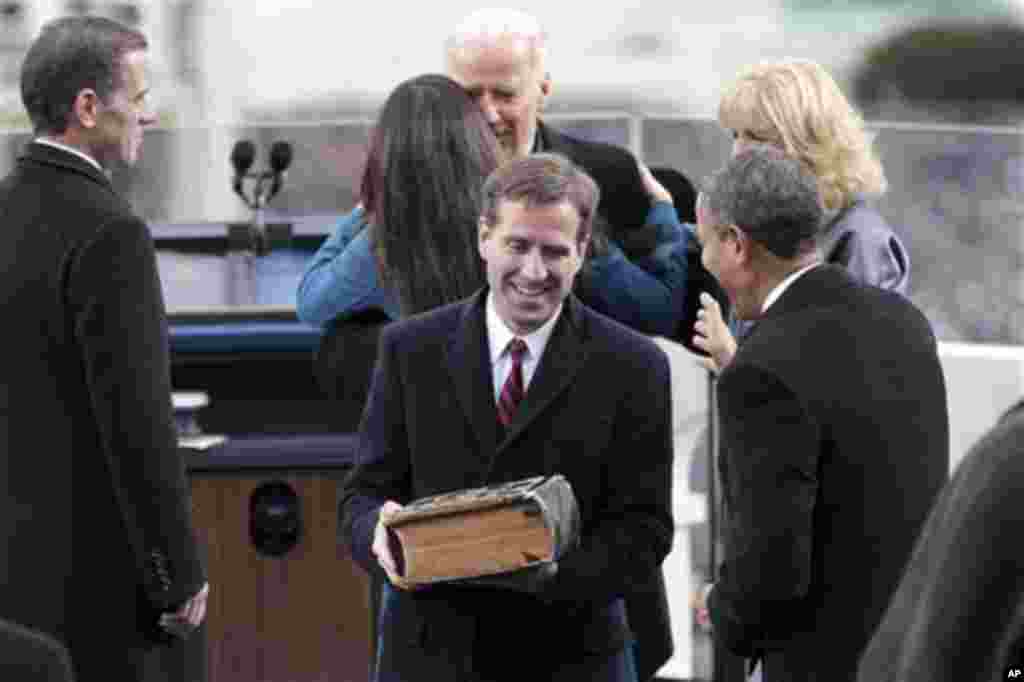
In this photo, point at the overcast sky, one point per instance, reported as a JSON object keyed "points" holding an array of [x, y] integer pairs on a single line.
{"points": [[663, 51], [288, 50]]}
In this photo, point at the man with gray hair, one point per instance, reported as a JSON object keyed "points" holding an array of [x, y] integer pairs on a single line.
{"points": [[834, 430], [500, 56], [100, 551]]}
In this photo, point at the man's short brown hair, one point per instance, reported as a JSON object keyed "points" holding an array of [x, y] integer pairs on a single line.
{"points": [[541, 180]]}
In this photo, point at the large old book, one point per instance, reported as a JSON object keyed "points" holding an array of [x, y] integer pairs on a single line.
{"points": [[488, 531]]}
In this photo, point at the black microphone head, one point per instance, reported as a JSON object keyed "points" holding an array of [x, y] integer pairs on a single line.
{"points": [[280, 156], [242, 156]]}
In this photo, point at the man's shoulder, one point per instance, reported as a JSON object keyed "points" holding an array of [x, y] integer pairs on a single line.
{"points": [[66, 197], [628, 346], [832, 314], [437, 322], [70, 175], [880, 306], [831, 286], [589, 154]]}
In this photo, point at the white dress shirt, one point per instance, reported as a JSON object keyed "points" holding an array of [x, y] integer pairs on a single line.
{"points": [[498, 336], [775, 293], [70, 150]]}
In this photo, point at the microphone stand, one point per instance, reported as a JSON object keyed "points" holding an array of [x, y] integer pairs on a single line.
{"points": [[247, 240], [252, 236], [261, 196], [257, 236]]}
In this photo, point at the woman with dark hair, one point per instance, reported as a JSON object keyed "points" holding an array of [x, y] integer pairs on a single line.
{"points": [[411, 244]]}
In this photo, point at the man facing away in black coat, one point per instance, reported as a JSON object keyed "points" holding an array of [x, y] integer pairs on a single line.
{"points": [[834, 430], [958, 613], [99, 547]]}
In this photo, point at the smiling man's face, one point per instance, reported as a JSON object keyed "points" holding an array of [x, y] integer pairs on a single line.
{"points": [[532, 257]]}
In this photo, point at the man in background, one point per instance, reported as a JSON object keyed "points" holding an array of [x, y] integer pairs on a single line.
{"points": [[99, 546], [500, 56]]}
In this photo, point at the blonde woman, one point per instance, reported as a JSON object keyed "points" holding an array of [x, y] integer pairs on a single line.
{"points": [[795, 105]]}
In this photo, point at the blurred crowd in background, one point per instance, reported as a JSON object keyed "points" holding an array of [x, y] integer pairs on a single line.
{"points": [[936, 81]]}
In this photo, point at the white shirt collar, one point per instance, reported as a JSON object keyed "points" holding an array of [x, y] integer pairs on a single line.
{"points": [[781, 287], [498, 333], [70, 150]]}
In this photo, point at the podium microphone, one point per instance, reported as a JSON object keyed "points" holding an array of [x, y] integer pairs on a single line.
{"points": [[242, 156], [280, 159]]}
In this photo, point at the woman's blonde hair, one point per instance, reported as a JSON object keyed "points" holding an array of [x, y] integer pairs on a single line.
{"points": [[796, 105]]}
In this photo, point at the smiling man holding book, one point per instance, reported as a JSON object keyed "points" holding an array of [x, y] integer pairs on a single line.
{"points": [[519, 380]]}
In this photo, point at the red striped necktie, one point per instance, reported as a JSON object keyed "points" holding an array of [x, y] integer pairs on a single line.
{"points": [[512, 391]]}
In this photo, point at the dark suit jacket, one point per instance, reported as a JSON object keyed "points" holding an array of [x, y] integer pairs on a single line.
{"points": [[93, 504], [30, 656], [624, 202], [834, 443], [624, 205], [597, 411], [959, 611]]}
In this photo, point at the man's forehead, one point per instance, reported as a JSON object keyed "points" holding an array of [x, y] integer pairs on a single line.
{"points": [[507, 53], [509, 40], [518, 213]]}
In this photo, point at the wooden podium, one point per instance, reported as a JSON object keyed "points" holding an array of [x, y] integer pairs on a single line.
{"points": [[289, 605]]}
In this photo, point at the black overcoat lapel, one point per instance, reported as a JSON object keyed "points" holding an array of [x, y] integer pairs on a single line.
{"points": [[470, 368]]}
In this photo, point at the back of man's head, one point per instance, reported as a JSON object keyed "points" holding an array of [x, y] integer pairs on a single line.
{"points": [[69, 55], [772, 197], [486, 27]]}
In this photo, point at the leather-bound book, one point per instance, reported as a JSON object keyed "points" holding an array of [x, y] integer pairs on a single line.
{"points": [[494, 530]]}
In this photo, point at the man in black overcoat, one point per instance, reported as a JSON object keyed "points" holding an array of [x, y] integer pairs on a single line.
{"points": [[834, 431], [958, 613], [99, 549], [499, 56], [441, 417]]}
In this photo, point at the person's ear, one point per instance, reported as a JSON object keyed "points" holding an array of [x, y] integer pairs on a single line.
{"points": [[700, 208], [741, 244], [545, 89], [483, 234], [584, 244], [86, 108]]}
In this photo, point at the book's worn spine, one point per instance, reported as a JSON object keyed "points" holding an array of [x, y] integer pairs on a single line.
{"points": [[557, 502]]}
